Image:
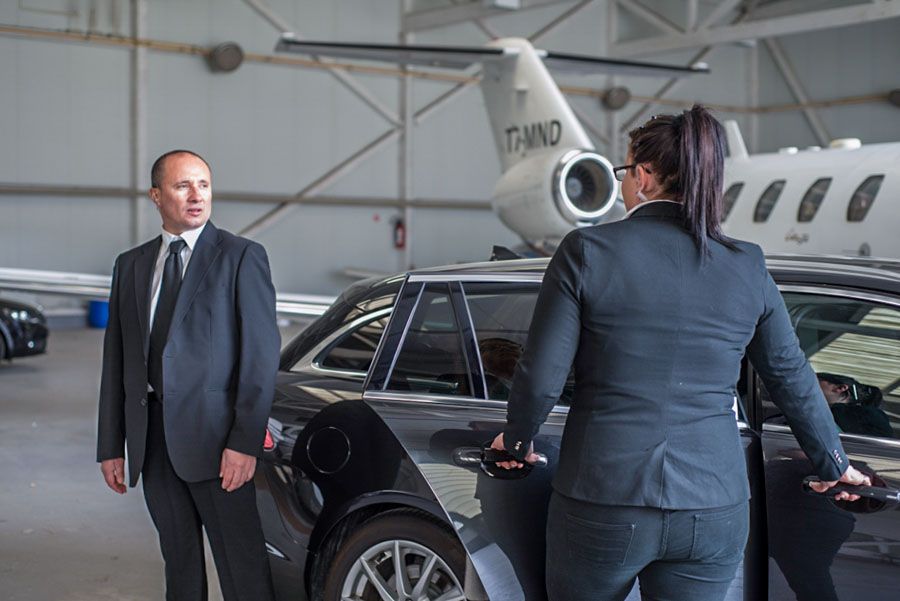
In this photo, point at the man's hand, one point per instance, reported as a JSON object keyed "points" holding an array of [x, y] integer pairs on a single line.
{"points": [[851, 476], [530, 457], [236, 470], [113, 471]]}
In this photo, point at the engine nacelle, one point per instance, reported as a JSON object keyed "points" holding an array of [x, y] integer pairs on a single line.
{"points": [[545, 196]]}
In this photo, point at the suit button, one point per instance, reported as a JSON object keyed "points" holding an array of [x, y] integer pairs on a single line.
{"points": [[143, 402]]}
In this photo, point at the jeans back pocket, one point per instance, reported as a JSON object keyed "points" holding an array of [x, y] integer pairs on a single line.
{"points": [[721, 534], [596, 542]]}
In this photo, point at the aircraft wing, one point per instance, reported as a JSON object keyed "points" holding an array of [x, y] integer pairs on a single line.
{"points": [[461, 57], [587, 65], [449, 57]]}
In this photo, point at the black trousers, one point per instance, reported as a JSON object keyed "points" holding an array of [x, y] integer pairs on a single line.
{"points": [[181, 510], [595, 552]]}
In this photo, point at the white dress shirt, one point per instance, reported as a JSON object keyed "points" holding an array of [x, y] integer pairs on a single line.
{"points": [[190, 237], [645, 203]]}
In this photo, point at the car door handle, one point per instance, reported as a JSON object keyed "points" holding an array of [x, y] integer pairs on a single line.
{"points": [[878, 493], [486, 459]]}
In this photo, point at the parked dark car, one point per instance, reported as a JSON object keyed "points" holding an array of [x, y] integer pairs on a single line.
{"points": [[23, 330], [372, 484]]}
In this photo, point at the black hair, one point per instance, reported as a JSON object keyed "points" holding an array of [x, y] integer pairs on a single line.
{"points": [[156, 172], [686, 152]]}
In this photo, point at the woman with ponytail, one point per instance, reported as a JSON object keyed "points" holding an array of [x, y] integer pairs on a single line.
{"points": [[655, 312]]}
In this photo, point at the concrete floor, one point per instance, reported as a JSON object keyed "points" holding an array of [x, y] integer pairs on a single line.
{"points": [[64, 536]]}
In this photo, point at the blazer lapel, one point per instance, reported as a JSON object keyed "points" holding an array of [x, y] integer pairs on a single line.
{"points": [[143, 283], [203, 256]]}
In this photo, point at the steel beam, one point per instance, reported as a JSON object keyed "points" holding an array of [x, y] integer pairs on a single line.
{"points": [[724, 7], [760, 29], [793, 82], [342, 76], [648, 15], [586, 122], [432, 18], [405, 146], [138, 118]]}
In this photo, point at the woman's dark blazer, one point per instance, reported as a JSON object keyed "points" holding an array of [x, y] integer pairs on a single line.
{"points": [[657, 336]]}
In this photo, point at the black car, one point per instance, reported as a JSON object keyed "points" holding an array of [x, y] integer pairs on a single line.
{"points": [[23, 330], [373, 484]]}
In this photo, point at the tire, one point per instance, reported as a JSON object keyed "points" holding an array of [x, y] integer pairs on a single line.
{"points": [[3, 348], [424, 544]]}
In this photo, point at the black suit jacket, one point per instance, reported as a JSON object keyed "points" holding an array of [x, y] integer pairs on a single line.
{"points": [[219, 362], [657, 337]]}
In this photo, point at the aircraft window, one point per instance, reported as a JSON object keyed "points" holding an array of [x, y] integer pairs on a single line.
{"points": [[812, 199], [431, 359], [355, 350], [854, 348], [728, 200], [863, 198], [501, 314], [767, 201]]}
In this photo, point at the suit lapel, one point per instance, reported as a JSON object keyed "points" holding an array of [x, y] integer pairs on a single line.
{"points": [[143, 284], [203, 256]]}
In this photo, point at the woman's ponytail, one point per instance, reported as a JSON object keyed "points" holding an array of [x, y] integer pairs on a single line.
{"points": [[687, 153]]}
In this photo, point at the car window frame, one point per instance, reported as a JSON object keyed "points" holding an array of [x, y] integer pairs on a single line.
{"points": [[312, 360], [845, 292], [388, 350]]}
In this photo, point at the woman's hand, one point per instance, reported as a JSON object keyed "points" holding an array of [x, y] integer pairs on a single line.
{"points": [[851, 476], [530, 457]]}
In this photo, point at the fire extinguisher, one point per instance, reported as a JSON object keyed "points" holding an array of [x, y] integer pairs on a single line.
{"points": [[399, 234]]}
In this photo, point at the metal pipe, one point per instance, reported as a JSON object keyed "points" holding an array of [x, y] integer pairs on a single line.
{"points": [[465, 81], [18, 190]]}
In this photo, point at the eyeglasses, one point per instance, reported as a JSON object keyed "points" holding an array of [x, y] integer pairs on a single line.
{"points": [[620, 171]]}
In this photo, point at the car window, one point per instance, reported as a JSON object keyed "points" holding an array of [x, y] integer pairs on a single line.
{"points": [[501, 315], [809, 206], [767, 201], [863, 197], [431, 359], [854, 348], [355, 349], [730, 197]]}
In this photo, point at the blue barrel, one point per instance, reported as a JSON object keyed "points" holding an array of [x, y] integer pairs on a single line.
{"points": [[98, 313]]}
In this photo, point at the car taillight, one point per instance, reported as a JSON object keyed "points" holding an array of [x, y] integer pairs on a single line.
{"points": [[269, 442]]}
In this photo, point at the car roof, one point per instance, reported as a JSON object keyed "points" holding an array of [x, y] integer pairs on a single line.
{"points": [[871, 273]]}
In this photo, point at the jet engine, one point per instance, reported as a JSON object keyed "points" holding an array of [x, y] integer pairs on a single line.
{"points": [[545, 196]]}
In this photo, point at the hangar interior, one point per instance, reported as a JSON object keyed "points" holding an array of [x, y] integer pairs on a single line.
{"points": [[340, 168]]}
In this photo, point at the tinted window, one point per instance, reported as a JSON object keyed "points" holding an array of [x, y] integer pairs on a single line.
{"points": [[767, 201], [730, 197], [863, 198], [501, 315], [812, 199], [354, 350], [431, 359], [854, 348]]}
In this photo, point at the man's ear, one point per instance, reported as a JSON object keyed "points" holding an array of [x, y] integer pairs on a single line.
{"points": [[153, 193]]}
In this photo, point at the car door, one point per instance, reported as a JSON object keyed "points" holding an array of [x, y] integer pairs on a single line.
{"points": [[444, 404], [443, 393], [818, 548]]}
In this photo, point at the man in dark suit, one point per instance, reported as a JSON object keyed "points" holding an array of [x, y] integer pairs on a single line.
{"points": [[189, 363]]}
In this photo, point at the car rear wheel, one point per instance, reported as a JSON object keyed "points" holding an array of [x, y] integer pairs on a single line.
{"points": [[400, 555], [2, 348]]}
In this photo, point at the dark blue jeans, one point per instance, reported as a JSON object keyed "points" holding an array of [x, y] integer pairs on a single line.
{"points": [[596, 551]]}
